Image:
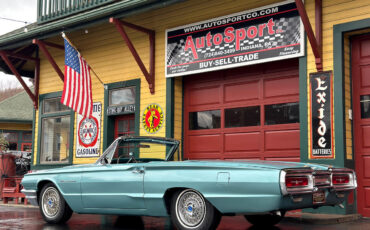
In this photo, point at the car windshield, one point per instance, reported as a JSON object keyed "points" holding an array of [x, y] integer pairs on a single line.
{"points": [[131, 150]]}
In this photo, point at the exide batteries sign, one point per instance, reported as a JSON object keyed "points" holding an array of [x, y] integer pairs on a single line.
{"points": [[321, 115], [265, 34]]}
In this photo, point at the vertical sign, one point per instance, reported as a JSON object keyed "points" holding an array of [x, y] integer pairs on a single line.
{"points": [[321, 115], [88, 133]]}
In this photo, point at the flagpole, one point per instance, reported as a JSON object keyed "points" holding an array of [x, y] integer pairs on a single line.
{"points": [[65, 37]]}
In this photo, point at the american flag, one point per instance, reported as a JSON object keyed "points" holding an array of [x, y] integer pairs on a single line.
{"points": [[77, 82]]}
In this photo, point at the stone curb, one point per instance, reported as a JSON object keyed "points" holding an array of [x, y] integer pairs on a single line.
{"points": [[18, 205], [309, 218]]}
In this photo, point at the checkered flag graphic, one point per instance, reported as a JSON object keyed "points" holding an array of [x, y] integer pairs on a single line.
{"points": [[176, 53]]}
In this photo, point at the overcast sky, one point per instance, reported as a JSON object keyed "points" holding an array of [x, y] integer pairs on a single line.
{"points": [[22, 10]]}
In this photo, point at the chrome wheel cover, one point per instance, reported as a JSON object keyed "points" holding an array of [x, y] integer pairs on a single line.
{"points": [[190, 208], [50, 202]]}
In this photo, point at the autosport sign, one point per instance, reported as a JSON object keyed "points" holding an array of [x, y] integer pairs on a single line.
{"points": [[269, 33]]}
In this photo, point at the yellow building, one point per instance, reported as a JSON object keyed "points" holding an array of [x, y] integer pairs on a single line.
{"points": [[230, 79]]}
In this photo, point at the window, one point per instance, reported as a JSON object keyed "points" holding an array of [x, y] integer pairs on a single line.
{"points": [[365, 106], [124, 126], [12, 139], [205, 120], [27, 147], [122, 96], [241, 117], [56, 124], [53, 105], [282, 113], [27, 136]]}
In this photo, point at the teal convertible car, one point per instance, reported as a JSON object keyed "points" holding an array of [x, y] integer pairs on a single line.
{"points": [[194, 193]]}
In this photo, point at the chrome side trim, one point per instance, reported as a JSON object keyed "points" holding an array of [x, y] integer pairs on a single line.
{"points": [[31, 196]]}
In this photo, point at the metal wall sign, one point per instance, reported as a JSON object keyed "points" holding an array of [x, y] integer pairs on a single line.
{"points": [[153, 118], [321, 115], [123, 109], [269, 33], [88, 133]]}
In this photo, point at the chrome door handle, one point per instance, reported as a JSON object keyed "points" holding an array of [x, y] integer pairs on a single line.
{"points": [[138, 171]]}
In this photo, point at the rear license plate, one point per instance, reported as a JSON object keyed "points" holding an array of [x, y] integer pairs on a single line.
{"points": [[318, 197]]}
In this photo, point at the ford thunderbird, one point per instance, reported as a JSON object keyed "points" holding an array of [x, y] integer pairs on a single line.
{"points": [[138, 176]]}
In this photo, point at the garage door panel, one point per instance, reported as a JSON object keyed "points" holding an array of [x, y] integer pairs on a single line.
{"points": [[238, 158], [294, 159], [203, 156], [242, 91], [204, 143], [243, 141], [282, 140], [241, 95], [364, 48], [243, 155], [365, 73], [286, 86], [204, 96], [366, 163], [365, 135]]}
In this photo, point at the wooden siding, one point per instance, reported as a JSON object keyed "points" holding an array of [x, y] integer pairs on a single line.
{"points": [[336, 12], [15, 126], [348, 98], [178, 115]]}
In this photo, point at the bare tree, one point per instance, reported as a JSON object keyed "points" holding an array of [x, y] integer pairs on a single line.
{"points": [[9, 88]]}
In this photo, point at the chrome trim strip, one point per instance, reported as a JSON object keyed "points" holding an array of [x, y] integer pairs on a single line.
{"points": [[324, 180], [31, 196]]}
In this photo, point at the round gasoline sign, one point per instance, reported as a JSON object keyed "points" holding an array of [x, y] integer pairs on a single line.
{"points": [[152, 118], [88, 132]]}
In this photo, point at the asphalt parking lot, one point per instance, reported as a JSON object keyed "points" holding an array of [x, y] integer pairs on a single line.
{"points": [[29, 218]]}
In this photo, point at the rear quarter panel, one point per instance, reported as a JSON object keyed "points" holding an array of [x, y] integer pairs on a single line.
{"points": [[230, 190]]}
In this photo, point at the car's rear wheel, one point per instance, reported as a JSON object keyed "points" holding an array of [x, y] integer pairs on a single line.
{"points": [[189, 210], [53, 207], [265, 220]]}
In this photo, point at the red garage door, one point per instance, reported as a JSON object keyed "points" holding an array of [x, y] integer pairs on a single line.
{"points": [[244, 113], [361, 111]]}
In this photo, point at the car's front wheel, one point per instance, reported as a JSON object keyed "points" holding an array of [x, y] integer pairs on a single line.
{"points": [[53, 207], [189, 210], [265, 220]]}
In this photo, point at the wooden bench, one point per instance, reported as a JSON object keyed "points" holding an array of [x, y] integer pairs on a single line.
{"points": [[12, 189]]}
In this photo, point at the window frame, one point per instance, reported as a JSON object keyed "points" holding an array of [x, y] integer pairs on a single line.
{"points": [[108, 121], [70, 113]]}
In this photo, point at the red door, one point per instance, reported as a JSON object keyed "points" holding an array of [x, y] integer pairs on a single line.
{"points": [[244, 113], [361, 119], [124, 126]]}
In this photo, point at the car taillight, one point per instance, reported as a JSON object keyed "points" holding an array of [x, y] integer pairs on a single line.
{"points": [[292, 182], [340, 179]]}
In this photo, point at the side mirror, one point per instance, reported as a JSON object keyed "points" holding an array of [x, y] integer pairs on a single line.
{"points": [[105, 161]]}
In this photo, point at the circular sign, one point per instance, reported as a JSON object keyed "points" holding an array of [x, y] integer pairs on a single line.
{"points": [[88, 132], [153, 118]]}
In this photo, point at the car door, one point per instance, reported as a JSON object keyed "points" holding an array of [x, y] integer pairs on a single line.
{"points": [[113, 186]]}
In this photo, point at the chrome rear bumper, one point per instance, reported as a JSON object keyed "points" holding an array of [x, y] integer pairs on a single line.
{"points": [[31, 196]]}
